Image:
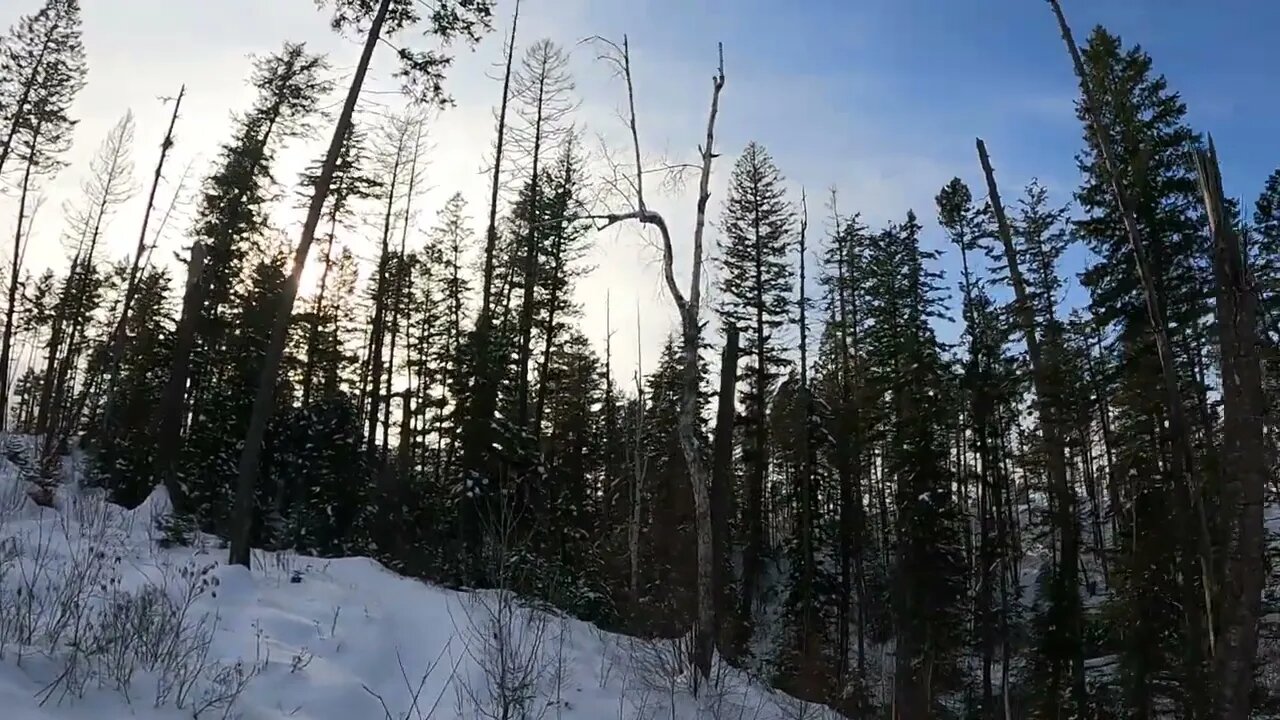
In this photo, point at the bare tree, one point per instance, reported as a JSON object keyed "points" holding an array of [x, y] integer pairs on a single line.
{"points": [[1244, 453], [131, 285], [689, 308], [109, 185]]}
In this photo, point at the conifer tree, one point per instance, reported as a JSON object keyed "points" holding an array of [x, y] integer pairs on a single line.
{"points": [[45, 53], [1149, 140], [351, 183], [928, 575], [755, 295], [844, 391], [1263, 249], [42, 63], [230, 224]]}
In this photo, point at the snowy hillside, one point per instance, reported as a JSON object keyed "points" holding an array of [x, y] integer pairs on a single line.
{"points": [[98, 620]]}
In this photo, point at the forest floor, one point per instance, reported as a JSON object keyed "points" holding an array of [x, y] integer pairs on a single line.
{"points": [[98, 619]]}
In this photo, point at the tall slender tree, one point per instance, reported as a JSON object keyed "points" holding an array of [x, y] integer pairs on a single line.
{"points": [[756, 285]]}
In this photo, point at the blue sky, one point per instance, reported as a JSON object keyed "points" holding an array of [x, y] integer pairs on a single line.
{"points": [[881, 98], [927, 75]]}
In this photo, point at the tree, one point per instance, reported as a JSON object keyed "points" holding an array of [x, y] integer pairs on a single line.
{"points": [[1035, 303], [689, 309], [448, 20], [1263, 250], [46, 52], [109, 185], [479, 475], [1140, 199], [117, 334], [352, 182], [542, 88], [230, 221], [928, 586], [755, 291], [1244, 455], [42, 61]]}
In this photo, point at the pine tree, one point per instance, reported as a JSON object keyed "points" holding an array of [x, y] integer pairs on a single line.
{"points": [[841, 385], [1263, 250], [125, 457], [1150, 141], [351, 183], [755, 288], [229, 226], [45, 52], [928, 583], [542, 88], [42, 63]]}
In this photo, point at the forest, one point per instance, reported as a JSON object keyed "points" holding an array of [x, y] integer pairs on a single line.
{"points": [[1061, 513]]}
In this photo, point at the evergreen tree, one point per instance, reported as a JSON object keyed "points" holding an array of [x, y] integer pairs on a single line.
{"points": [[755, 288], [229, 227], [1150, 139], [1263, 248], [124, 458], [45, 53], [928, 583]]}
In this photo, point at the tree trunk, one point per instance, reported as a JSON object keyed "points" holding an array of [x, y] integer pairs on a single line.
{"points": [[313, 327], [264, 401], [6, 343], [722, 496], [377, 328], [1244, 455], [173, 402], [530, 275], [482, 402]]}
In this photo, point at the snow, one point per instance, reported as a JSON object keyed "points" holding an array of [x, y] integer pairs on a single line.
{"points": [[305, 638]]}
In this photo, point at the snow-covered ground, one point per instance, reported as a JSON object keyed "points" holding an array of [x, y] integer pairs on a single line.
{"points": [[98, 620]]}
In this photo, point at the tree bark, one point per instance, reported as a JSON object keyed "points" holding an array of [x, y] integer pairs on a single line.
{"points": [[264, 400]]}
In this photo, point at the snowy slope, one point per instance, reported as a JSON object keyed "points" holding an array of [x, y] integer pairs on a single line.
{"points": [[296, 637]]}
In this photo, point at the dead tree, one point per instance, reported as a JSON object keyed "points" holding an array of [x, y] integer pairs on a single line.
{"points": [[1244, 454], [131, 285], [1054, 448], [689, 308]]}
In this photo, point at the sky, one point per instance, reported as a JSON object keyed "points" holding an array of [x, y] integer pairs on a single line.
{"points": [[881, 99]]}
